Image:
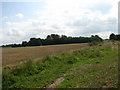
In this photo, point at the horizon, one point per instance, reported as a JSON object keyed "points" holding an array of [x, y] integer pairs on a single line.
{"points": [[24, 20], [44, 38], [50, 34]]}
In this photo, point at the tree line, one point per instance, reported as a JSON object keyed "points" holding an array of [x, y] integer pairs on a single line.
{"points": [[114, 37], [54, 39]]}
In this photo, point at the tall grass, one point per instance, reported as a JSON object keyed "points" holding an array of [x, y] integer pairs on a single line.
{"points": [[39, 74]]}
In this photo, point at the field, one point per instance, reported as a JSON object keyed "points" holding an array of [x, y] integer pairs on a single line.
{"points": [[15, 55], [95, 66]]}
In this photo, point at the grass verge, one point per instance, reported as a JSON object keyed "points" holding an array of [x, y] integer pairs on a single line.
{"points": [[91, 67]]}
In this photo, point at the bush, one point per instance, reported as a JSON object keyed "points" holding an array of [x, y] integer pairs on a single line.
{"points": [[93, 43], [28, 69], [8, 79], [47, 58]]}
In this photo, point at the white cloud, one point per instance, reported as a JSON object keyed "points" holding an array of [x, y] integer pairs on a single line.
{"points": [[5, 17], [68, 17], [82, 17], [8, 23], [105, 34], [20, 15]]}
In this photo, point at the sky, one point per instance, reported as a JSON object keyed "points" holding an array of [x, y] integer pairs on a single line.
{"points": [[24, 20]]}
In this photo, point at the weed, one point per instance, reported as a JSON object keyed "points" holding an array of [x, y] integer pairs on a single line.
{"points": [[89, 67]]}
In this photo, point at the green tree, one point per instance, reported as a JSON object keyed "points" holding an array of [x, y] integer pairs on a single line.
{"points": [[24, 43], [34, 42], [118, 37], [55, 38], [96, 38], [112, 36]]}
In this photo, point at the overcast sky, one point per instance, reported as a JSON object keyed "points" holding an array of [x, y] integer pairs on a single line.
{"points": [[23, 20]]}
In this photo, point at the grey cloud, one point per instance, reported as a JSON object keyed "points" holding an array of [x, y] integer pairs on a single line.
{"points": [[55, 26], [77, 23], [95, 27], [103, 7], [11, 32]]}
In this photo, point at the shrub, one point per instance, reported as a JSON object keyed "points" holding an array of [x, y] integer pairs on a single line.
{"points": [[47, 58], [28, 69], [93, 43], [8, 79]]}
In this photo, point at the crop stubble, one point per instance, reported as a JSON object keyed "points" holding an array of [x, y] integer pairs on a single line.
{"points": [[13, 55]]}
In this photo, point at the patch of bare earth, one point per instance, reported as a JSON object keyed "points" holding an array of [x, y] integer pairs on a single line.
{"points": [[55, 83], [109, 84]]}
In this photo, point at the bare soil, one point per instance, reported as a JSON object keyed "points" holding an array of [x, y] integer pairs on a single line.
{"points": [[13, 55], [56, 82]]}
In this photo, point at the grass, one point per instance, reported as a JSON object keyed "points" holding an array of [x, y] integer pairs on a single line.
{"points": [[90, 67], [96, 75]]}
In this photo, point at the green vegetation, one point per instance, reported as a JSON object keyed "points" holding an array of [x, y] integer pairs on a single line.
{"points": [[54, 39], [114, 37], [5, 47], [91, 67]]}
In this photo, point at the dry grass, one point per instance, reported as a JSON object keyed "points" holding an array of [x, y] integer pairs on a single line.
{"points": [[14, 55]]}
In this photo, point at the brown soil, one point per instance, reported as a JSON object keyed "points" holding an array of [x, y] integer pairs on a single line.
{"points": [[56, 82], [13, 55]]}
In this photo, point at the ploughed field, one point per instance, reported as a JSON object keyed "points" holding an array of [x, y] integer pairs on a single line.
{"points": [[15, 55]]}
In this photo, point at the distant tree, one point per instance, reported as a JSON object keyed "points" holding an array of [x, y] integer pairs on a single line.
{"points": [[112, 36], [24, 43], [16, 45], [96, 38], [118, 37], [34, 42], [57, 39], [64, 39]]}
